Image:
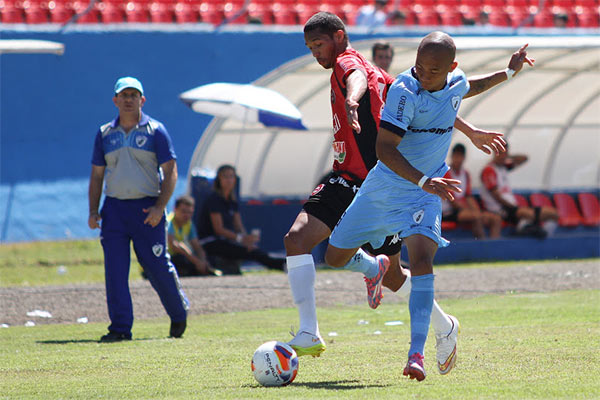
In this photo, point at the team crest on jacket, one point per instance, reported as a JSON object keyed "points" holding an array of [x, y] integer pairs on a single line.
{"points": [[339, 151], [318, 189], [418, 216], [157, 249], [140, 140], [455, 102]]}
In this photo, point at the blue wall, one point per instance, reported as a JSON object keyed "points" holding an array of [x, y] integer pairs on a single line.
{"points": [[51, 107]]}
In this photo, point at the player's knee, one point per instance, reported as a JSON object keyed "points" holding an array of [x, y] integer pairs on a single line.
{"points": [[293, 243]]}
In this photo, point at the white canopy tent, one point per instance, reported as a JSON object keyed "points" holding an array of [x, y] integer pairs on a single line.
{"points": [[550, 112], [26, 46]]}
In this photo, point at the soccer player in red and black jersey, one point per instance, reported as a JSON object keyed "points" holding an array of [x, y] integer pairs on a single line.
{"points": [[358, 92]]}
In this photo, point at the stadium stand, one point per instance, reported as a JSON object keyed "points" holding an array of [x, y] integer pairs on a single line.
{"points": [[503, 13], [540, 200]]}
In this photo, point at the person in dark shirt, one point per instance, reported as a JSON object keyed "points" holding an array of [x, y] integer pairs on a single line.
{"points": [[221, 230]]}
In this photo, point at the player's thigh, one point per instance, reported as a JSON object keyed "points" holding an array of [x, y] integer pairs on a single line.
{"points": [[306, 232], [525, 212]]}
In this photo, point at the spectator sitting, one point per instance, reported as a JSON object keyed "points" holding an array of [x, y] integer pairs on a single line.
{"points": [[221, 230], [383, 54], [560, 20], [184, 247], [498, 197], [464, 208], [372, 16], [396, 18]]}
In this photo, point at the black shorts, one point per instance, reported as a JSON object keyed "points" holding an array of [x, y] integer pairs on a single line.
{"points": [[330, 199], [509, 214]]}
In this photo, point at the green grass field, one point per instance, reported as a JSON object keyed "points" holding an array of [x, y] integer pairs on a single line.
{"points": [[512, 346], [528, 346]]}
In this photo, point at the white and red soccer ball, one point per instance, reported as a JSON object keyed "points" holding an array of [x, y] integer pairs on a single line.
{"points": [[275, 364]]}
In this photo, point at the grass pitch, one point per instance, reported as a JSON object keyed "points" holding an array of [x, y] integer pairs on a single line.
{"points": [[521, 346]]}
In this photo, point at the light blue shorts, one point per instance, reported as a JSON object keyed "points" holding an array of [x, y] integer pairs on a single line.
{"points": [[379, 209]]}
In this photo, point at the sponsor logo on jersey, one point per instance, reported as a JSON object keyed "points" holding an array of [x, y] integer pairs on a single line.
{"points": [[140, 140], [437, 131], [336, 124], [400, 110], [318, 189], [157, 249], [455, 101], [339, 151], [418, 216]]}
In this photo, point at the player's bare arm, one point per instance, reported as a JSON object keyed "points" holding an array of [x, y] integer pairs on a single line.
{"points": [[356, 87], [167, 186], [387, 153], [481, 83], [486, 141], [94, 194]]}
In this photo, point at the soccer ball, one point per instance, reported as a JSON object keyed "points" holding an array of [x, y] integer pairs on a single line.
{"points": [[274, 364]]}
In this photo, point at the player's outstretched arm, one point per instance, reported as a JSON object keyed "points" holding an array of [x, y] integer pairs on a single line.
{"points": [[486, 141], [356, 87], [481, 83]]}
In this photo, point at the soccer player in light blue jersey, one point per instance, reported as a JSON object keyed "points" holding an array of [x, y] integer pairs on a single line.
{"points": [[403, 192]]}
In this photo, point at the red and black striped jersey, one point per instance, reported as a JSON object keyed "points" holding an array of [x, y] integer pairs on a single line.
{"points": [[354, 154]]}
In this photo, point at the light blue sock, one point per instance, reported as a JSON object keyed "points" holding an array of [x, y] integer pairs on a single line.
{"points": [[362, 262], [420, 305]]}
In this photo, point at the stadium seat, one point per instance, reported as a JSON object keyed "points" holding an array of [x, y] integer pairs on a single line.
{"points": [[10, 14], [161, 13], [254, 202], [261, 12], [211, 13], [540, 200], [428, 18], [451, 17], [136, 12], [521, 200], [186, 13], [568, 214], [590, 208], [91, 17], [448, 225], [543, 19], [284, 14], [498, 17], [59, 12], [34, 13], [234, 14], [111, 13], [587, 17]]}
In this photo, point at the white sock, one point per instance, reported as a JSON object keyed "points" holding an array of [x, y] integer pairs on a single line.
{"points": [[363, 262], [439, 319], [550, 226], [301, 276]]}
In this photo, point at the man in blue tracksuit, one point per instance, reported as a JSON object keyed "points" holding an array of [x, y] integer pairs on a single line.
{"points": [[135, 156]]}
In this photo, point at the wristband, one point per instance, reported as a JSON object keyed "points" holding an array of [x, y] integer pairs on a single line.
{"points": [[422, 181], [509, 73], [238, 238]]}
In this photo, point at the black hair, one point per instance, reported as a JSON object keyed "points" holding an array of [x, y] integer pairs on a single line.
{"points": [[459, 148], [381, 45], [217, 181], [325, 22], [185, 199], [438, 42]]}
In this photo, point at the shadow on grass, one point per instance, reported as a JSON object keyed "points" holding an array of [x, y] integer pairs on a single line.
{"points": [[334, 385], [92, 341]]}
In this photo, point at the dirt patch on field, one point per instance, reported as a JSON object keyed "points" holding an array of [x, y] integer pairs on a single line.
{"points": [[264, 291]]}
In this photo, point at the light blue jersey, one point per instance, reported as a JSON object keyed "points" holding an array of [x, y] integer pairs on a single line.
{"points": [[386, 203]]}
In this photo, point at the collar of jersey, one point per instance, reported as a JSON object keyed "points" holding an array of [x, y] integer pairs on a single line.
{"points": [[143, 121]]}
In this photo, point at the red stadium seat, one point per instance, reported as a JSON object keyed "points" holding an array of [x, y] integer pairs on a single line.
{"points": [[34, 13], [543, 19], [540, 200], [254, 202], [280, 201], [520, 18], [136, 12], [521, 200], [587, 17], [498, 17], [284, 14], [449, 225], [233, 13], [111, 13], [261, 12], [568, 214], [428, 18], [161, 13], [211, 13], [186, 13], [59, 12], [91, 17], [451, 17], [10, 14], [590, 208]]}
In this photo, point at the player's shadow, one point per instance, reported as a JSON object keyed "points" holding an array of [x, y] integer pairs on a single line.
{"points": [[338, 385], [89, 341]]}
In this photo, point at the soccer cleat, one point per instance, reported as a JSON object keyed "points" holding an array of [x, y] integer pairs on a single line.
{"points": [[112, 337], [307, 344], [414, 367], [374, 294], [445, 345]]}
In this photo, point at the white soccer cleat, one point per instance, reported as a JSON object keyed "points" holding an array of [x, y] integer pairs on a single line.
{"points": [[445, 345], [307, 344]]}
